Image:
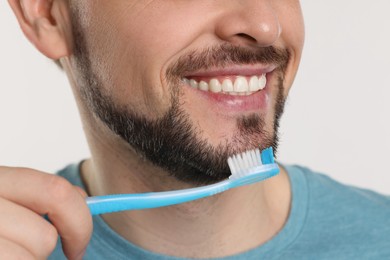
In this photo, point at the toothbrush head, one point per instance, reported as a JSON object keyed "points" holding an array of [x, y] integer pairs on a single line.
{"points": [[250, 165]]}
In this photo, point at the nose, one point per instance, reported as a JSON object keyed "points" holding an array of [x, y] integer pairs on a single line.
{"points": [[248, 22]]}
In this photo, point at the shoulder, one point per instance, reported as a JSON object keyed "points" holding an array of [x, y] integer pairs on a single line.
{"points": [[344, 218], [324, 189]]}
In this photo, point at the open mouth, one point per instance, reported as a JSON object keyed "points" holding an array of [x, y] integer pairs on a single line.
{"points": [[237, 85], [233, 81], [234, 89]]}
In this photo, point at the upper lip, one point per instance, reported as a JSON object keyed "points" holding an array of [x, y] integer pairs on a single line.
{"points": [[236, 70]]}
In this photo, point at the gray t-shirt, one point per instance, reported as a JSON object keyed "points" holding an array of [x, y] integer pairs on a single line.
{"points": [[327, 220]]}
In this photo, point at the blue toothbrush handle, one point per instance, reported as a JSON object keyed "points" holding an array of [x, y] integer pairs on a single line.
{"points": [[114, 203]]}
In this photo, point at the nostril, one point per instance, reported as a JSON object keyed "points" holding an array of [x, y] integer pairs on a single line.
{"points": [[246, 36]]}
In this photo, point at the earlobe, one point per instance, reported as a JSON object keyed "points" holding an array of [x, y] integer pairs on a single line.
{"points": [[44, 25]]}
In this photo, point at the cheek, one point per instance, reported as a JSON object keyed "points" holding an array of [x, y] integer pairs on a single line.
{"points": [[131, 47], [293, 33], [289, 13], [292, 38], [121, 60]]}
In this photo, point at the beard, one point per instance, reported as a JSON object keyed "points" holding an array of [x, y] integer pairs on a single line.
{"points": [[172, 142]]}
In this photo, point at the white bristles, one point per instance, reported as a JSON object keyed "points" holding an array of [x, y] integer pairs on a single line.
{"points": [[253, 159], [239, 164], [231, 166], [245, 159], [258, 156]]}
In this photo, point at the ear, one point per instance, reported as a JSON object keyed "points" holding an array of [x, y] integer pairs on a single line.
{"points": [[46, 24]]}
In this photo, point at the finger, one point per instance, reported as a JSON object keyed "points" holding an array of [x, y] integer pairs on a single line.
{"points": [[54, 196], [10, 250], [81, 191], [28, 229]]}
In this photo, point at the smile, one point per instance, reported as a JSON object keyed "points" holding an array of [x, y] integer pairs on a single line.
{"points": [[234, 89], [237, 85]]}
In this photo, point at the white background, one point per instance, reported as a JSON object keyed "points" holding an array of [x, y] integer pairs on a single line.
{"points": [[336, 121]]}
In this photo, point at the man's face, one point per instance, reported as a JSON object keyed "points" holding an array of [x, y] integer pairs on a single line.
{"points": [[188, 82]]}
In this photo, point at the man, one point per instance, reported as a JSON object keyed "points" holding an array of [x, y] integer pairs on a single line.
{"points": [[167, 90]]}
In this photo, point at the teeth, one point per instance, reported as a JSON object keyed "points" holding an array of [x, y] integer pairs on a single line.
{"points": [[186, 81], [215, 86], [254, 83], [262, 81], [193, 83], [241, 86], [203, 86], [227, 85]]}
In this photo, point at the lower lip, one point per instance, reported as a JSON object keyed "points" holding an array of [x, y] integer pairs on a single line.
{"points": [[254, 102]]}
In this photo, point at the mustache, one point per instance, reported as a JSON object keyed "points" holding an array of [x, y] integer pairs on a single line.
{"points": [[226, 54]]}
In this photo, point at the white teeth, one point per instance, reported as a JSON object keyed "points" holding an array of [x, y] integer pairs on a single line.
{"points": [[203, 86], [254, 83], [227, 85], [186, 81], [262, 81], [241, 85], [215, 86], [193, 83]]}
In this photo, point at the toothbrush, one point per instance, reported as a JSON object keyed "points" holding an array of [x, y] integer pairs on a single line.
{"points": [[246, 168]]}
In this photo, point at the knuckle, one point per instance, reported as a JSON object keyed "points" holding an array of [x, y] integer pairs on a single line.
{"points": [[59, 189]]}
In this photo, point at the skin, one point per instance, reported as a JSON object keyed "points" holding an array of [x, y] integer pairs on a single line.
{"points": [[124, 50]]}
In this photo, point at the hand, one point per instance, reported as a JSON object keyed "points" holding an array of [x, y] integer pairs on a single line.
{"points": [[25, 196]]}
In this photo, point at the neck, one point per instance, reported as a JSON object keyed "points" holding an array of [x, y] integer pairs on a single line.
{"points": [[229, 223]]}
